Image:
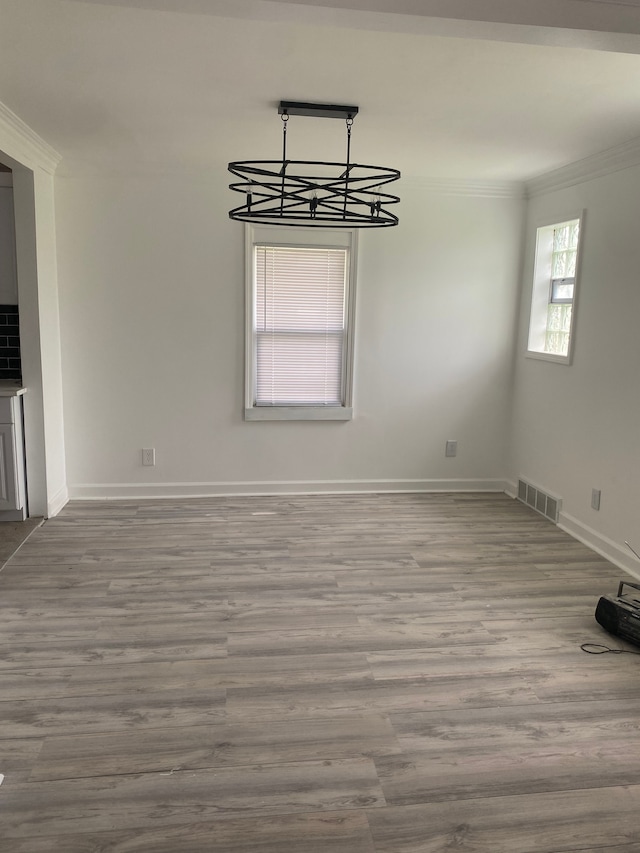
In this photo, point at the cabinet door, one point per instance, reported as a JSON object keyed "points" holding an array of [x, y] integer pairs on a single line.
{"points": [[8, 474]]}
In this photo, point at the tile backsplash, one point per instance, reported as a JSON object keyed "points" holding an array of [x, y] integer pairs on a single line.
{"points": [[10, 364]]}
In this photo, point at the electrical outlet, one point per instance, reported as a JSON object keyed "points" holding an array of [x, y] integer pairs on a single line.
{"points": [[451, 448], [595, 498], [148, 456]]}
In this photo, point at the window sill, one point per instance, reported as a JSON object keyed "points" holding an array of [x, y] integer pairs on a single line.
{"points": [[548, 356], [298, 413]]}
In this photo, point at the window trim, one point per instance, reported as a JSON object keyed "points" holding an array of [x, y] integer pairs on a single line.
{"points": [[542, 288], [296, 237]]}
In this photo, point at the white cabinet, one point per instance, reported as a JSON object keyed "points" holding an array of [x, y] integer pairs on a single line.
{"points": [[12, 478]]}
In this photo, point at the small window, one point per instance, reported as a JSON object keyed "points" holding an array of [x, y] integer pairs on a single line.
{"points": [[562, 291], [299, 324], [554, 290]]}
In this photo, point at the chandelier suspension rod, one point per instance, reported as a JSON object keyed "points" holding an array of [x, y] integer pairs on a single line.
{"points": [[346, 172], [285, 119]]}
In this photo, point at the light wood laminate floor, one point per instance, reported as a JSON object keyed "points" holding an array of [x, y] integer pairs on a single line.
{"points": [[322, 674]]}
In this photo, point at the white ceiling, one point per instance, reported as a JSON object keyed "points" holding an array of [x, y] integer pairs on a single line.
{"points": [[498, 90]]}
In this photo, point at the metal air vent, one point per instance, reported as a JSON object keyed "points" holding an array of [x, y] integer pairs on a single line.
{"points": [[543, 503]]}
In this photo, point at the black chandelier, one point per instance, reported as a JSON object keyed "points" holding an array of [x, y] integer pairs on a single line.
{"points": [[312, 192]]}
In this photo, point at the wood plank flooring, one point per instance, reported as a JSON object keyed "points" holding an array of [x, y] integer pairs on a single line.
{"points": [[13, 534], [322, 674]]}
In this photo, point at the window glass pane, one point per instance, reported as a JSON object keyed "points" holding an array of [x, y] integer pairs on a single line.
{"points": [[558, 328], [561, 238], [299, 288], [559, 265], [574, 234], [300, 325], [299, 370], [562, 290]]}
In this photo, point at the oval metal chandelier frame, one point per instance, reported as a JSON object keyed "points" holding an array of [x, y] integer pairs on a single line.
{"points": [[314, 192]]}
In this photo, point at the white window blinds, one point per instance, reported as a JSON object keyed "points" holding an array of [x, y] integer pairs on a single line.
{"points": [[299, 325]]}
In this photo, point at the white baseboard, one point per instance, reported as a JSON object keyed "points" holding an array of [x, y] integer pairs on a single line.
{"points": [[607, 548], [57, 502], [511, 488], [619, 556], [135, 491], [143, 491]]}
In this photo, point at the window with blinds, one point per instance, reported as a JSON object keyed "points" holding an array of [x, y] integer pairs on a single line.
{"points": [[299, 323]]}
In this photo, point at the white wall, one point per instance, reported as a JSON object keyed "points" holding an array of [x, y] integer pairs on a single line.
{"points": [[151, 299], [577, 427]]}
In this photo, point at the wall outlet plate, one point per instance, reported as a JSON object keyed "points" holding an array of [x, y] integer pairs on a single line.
{"points": [[451, 448], [148, 456]]}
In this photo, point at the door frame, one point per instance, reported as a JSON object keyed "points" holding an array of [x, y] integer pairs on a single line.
{"points": [[33, 163]]}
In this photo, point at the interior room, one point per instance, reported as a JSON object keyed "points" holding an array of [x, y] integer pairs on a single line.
{"points": [[237, 633]]}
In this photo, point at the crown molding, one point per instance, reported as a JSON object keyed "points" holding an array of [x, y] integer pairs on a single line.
{"points": [[22, 143], [604, 163], [474, 189]]}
